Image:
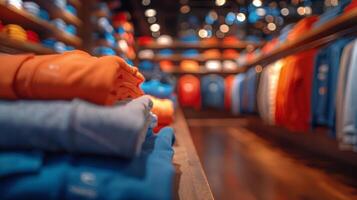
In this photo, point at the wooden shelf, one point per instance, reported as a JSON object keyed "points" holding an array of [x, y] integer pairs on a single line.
{"points": [[204, 71], [8, 45], [179, 57], [190, 179], [343, 25], [57, 12], [10, 14], [201, 45]]}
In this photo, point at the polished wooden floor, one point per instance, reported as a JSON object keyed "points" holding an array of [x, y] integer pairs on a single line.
{"points": [[239, 164]]}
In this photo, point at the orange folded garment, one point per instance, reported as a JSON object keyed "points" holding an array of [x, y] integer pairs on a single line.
{"points": [[164, 110], [74, 74]]}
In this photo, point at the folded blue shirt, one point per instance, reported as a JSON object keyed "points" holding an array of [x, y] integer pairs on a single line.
{"points": [[75, 126], [38, 175]]}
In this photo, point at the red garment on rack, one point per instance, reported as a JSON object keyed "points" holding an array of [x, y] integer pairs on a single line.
{"points": [[66, 76], [189, 91], [228, 83]]}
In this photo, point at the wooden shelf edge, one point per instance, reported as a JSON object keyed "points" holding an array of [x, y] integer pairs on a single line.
{"points": [[76, 3], [24, 46], [192, 182], [200, 45], [32, 22], [340, 26]]}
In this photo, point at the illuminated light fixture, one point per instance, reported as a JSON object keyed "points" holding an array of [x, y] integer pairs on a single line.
{"points": [[185, 9], [284, 12], [308, 10], [257, 3], [301, 10], [269, 18], [241, 17], [156, 34], [260, 12], [155, 27], [207, 27], [219, 34], [334, 2], [145, 2], [213, 14], [224, 28], [202, 33], [152, 20], [220, 2], [150, 12], [271, 27], [258, 68]]}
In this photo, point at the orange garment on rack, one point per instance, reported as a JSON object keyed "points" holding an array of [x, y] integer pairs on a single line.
{"points": [[230, 54], [212, 54], [228, 83], [293, 100], [189, 66], [164, 110], [66, 76]]}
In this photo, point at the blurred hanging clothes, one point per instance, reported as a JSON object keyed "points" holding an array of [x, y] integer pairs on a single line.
{"points": [[228, 84], [66, 76], [346, 98], [212, 91], [77, 126], [237, 92], [40, 175], [293, 104], [189, 91], [249, 91], [326, 69]]}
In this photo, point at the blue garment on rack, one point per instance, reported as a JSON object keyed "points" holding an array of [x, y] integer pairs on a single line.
{"points": [[71, 29], [165, 52], [237, 94], [43, 14], [71, 9], [249, 88], [324, 84], [38, 175], [212, 91], [75, 126], [331, 13], [157, 89], [103, 50], [190, 53]]}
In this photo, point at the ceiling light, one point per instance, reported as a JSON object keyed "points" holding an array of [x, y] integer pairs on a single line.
{"points": [[150, 13], [260, 12], [152, 20], [257, 3], [241, 17], [185, 9], [202, 33], [271, 27], [284, 12], [156, 34], [224, 28], [155, 27], [220, 2], [308, 10], [145, 2], [301, 10], [219, 34]]}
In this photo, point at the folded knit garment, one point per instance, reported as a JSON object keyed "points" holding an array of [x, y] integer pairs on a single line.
{"points": [[66, 76], [39, 175], [164, 110], [75, 126]]}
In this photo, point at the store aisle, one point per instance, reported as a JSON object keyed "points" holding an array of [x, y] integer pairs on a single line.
{"points": [[241, 165]]}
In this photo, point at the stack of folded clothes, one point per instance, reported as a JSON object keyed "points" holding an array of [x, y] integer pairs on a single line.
{"points": [[15, 32], [75, 126]]}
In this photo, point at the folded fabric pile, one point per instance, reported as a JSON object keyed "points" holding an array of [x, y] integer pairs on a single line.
{"points": [[15, 32], [75, 126]]}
